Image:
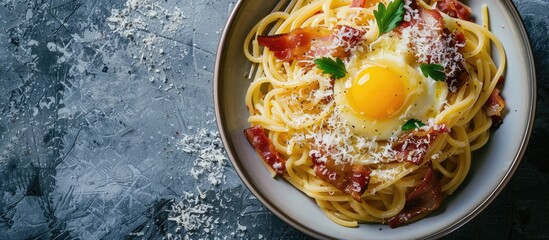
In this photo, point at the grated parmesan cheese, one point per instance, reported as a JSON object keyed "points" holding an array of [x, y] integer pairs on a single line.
{"points": [[385, 175], [335, 140], [210, 156], [191, 215], [194, 213], [149, 26]]}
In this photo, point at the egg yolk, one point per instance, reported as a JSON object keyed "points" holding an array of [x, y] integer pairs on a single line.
{"points": [[376, 93]]}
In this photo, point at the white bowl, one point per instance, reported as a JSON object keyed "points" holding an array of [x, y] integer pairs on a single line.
{"points": [[491, 169]]}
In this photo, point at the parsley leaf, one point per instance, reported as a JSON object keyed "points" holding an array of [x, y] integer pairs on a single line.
{"points": [[388, 18], [434, 71], [412, 124], [336, 68]]}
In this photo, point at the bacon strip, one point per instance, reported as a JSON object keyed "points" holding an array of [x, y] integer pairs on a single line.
{"points": [[264, 147], [358, 3], [310, 42], [494, 106], [460, 76], [426, 197], [364, 3], [427, 18], [455, 9], [431, 19], [345, 38], [351, 179], [295, 44], [413, 147]]}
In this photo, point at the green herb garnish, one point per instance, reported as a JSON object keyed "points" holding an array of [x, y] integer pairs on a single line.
{"points": [[412, 124], [336, 68], [388, 18], [434, 71]]}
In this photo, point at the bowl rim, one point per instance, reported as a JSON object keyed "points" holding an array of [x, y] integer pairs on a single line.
{"points": [[219, 114]]}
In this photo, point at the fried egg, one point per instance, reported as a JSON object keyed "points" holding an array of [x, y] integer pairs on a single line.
{"points": [[383, 91]]}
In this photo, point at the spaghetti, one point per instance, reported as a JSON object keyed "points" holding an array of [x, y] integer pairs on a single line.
{"points": [[391, 134]]}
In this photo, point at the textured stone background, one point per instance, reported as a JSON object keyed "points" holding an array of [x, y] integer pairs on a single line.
{"points": [[106, 111]]}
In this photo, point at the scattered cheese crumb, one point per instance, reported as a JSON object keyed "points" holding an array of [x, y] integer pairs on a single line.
{"points": [[210, 156], [191, 215]]}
